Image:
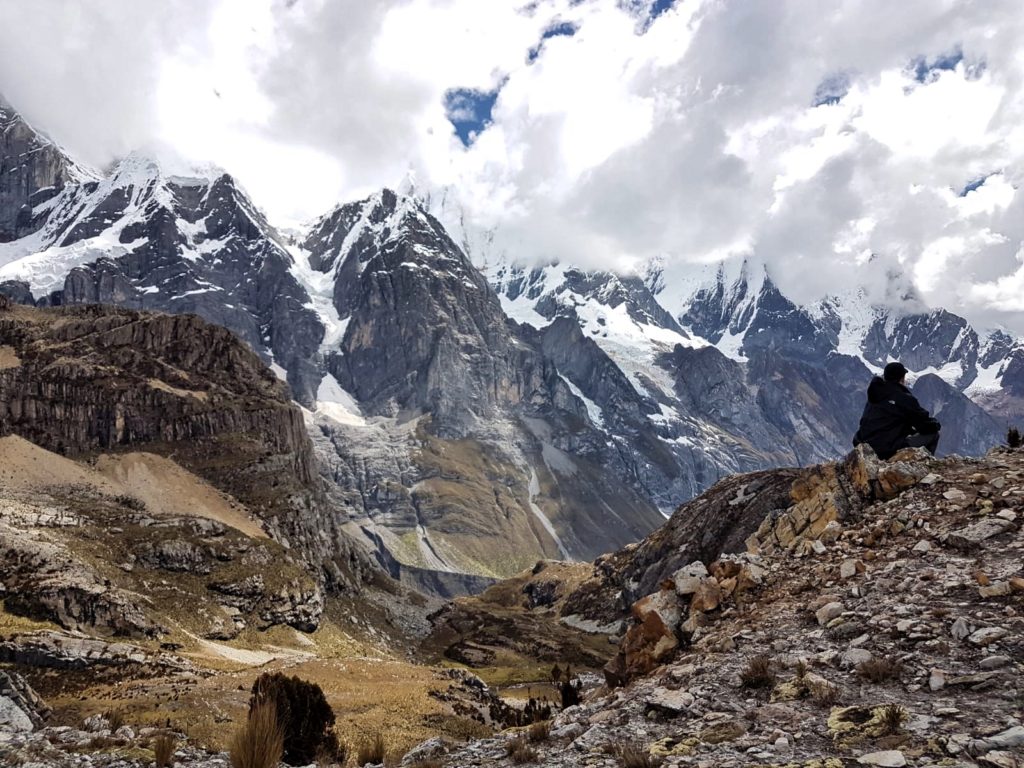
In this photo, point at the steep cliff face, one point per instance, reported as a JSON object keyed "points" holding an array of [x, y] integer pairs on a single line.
{"points": [[424, 330], [94, 378], [32, 172]]}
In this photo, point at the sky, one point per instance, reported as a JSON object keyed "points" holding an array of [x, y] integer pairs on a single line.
{"points": [[840, 143]]}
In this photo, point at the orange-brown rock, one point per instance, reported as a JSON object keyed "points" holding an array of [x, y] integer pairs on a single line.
{"points": [[708, 596]]}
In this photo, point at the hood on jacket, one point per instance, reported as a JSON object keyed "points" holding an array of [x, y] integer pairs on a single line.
{"points": [[879, 389]]}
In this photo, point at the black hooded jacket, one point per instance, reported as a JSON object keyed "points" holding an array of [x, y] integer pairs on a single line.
{"points": [[892, 413]]}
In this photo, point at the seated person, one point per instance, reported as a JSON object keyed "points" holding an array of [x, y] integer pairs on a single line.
{"points": [[893, 419]]}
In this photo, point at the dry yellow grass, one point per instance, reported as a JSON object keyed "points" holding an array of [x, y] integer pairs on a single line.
{"points": [[11, 623], [260, 740], [368, 695]]}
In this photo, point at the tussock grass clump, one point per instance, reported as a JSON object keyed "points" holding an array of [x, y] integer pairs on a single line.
{"points": [[115, 718], [893, 717], [520, 751], [335, 759], [540, 731], [879, 670], [827, 694], [164, 746], [372, 751], [260, 742], [759, 673], [633, 756]]}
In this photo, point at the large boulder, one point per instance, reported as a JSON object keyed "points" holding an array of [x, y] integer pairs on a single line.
{"points": [[652, 639], [875, 479]]}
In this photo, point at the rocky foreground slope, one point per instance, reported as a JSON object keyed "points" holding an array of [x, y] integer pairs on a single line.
{"points": [[875, 616]]}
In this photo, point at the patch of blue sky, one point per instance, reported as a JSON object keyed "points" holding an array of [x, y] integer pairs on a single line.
{"points": [[469, 111], [561, 29], [926, 70], [973, 185], [647, 11], [832, 89]]}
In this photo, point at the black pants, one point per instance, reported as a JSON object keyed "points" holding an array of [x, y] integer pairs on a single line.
{"points": [[929, 442]]}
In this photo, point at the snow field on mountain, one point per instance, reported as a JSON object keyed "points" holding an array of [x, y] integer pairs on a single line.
{"points": [[335, 403]]}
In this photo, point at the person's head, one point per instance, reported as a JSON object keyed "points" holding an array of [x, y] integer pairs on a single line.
{"points": [[895, 372]]}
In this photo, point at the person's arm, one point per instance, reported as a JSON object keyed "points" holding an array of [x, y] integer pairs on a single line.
{"points": [[918, 417]]}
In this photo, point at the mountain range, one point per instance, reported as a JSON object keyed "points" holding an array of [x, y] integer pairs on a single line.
{"points": [[471, 413]]}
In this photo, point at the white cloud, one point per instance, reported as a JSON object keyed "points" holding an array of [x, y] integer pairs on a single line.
{"points": [[694, 139], [89, 72]]}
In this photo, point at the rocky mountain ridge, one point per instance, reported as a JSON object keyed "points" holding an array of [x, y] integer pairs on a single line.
{"points": [[740, 370]]}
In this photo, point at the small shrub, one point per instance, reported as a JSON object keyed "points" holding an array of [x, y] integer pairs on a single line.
{"points": [[879, 670], [520, 751], [801, 669], [372, 751], [540, 731], [164, 746], [306, 718], [1013, 438], [893, 717], [570, 690], [758, 673], [260, 742]]}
